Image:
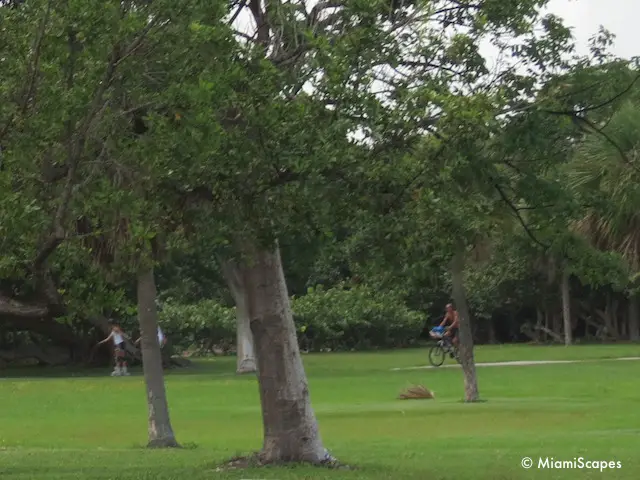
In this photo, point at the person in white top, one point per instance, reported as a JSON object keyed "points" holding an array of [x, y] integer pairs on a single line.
{"points": [[118, 337], [162, 340]]}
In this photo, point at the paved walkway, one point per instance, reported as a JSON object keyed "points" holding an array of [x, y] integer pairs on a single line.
{"points": [[521, 363]]}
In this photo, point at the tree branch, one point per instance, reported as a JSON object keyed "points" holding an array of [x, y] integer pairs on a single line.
{"points": [[32, 71], [262, 26], [16, 309], [534, 207], [519, 217], [316, 11], [599, 105], [36, 59], [135, 45], [611, 141], [234, 17], [76, 146]]}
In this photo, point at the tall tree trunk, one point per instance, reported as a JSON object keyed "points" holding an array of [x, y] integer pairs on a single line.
{"points": [[548, 323], [634, 321], [615, 317], [557, 325], [565, 288], [291, 431], [160, 431], [465, 348], [245, 355], [540, 322], [246, 361], [609, 317], [492, 332]]}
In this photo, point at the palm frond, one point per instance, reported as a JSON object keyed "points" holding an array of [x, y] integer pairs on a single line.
{"points": [[601, 175]]}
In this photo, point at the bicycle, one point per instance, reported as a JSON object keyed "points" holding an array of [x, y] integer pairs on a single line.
{"points": [[439, 351]]}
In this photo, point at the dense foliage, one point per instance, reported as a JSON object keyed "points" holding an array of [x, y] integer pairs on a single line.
{"points": [[331, 319], [371, 139]]}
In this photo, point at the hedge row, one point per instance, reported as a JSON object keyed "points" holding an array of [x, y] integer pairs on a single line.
{"points": [[356, 318]]}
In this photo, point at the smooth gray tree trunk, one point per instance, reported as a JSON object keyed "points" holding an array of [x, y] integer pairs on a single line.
{"points": [[634, 320], [565, 288], [245, 355], [465, 349], [291, 431], [160, 430]]}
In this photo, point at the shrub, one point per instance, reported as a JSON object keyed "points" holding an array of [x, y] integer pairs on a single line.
{"points": [[339, 318], [199, 326], [354, 318]]}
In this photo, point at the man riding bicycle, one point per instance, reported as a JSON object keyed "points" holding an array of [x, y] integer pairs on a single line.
{"points": [[451, 316]]}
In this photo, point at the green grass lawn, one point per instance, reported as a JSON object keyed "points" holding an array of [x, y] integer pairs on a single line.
{"points": [[86, 425]]}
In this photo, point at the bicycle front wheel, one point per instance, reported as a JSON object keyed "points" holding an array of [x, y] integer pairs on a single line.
{"points": [[436, 355]]}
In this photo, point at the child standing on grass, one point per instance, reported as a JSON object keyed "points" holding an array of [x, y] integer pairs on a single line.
{"points": [[118, 337]]}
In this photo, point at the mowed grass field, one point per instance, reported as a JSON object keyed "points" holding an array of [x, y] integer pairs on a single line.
{"points": [[58, 424]]}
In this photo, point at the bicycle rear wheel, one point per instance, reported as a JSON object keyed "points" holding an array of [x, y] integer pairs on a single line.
{"points": [[436, 355], [456, 355]]}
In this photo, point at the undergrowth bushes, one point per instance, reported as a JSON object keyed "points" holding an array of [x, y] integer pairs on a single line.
{"points": [[338, 318]]}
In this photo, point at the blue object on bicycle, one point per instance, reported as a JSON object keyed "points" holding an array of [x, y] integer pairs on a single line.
{"points": [[438, 330]]}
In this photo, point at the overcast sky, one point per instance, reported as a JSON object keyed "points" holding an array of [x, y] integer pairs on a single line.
{"points": [[620, 17]]}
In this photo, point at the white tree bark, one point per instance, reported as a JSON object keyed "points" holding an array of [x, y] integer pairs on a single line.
{"points": [[291, 431], [245, 355]]}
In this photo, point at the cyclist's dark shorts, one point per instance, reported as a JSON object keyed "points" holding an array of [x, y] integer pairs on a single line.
{"points": [[454, 332]]}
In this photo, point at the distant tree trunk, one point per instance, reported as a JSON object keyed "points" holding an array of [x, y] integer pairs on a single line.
{"points": [[291, 431], [165, 354], [492, 332], [615, 317], [557, 325], [616, 322], [245, 356], [634, 323], [565, 288], [548, 323], [623, 325], [610, 313], [465, 349], [540, 322], [160, 431]]}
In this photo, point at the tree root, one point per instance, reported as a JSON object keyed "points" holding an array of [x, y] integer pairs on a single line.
{"points": [[247, 366], [163, 443], [257, 460]]}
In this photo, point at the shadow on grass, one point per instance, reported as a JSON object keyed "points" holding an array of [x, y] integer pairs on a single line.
{"points": [[99, 472], [183, 446], [223, 367]]}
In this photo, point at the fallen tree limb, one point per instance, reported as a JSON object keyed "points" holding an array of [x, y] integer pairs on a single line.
{"points": [[556, 338], [14, 308], [533, 331]]}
